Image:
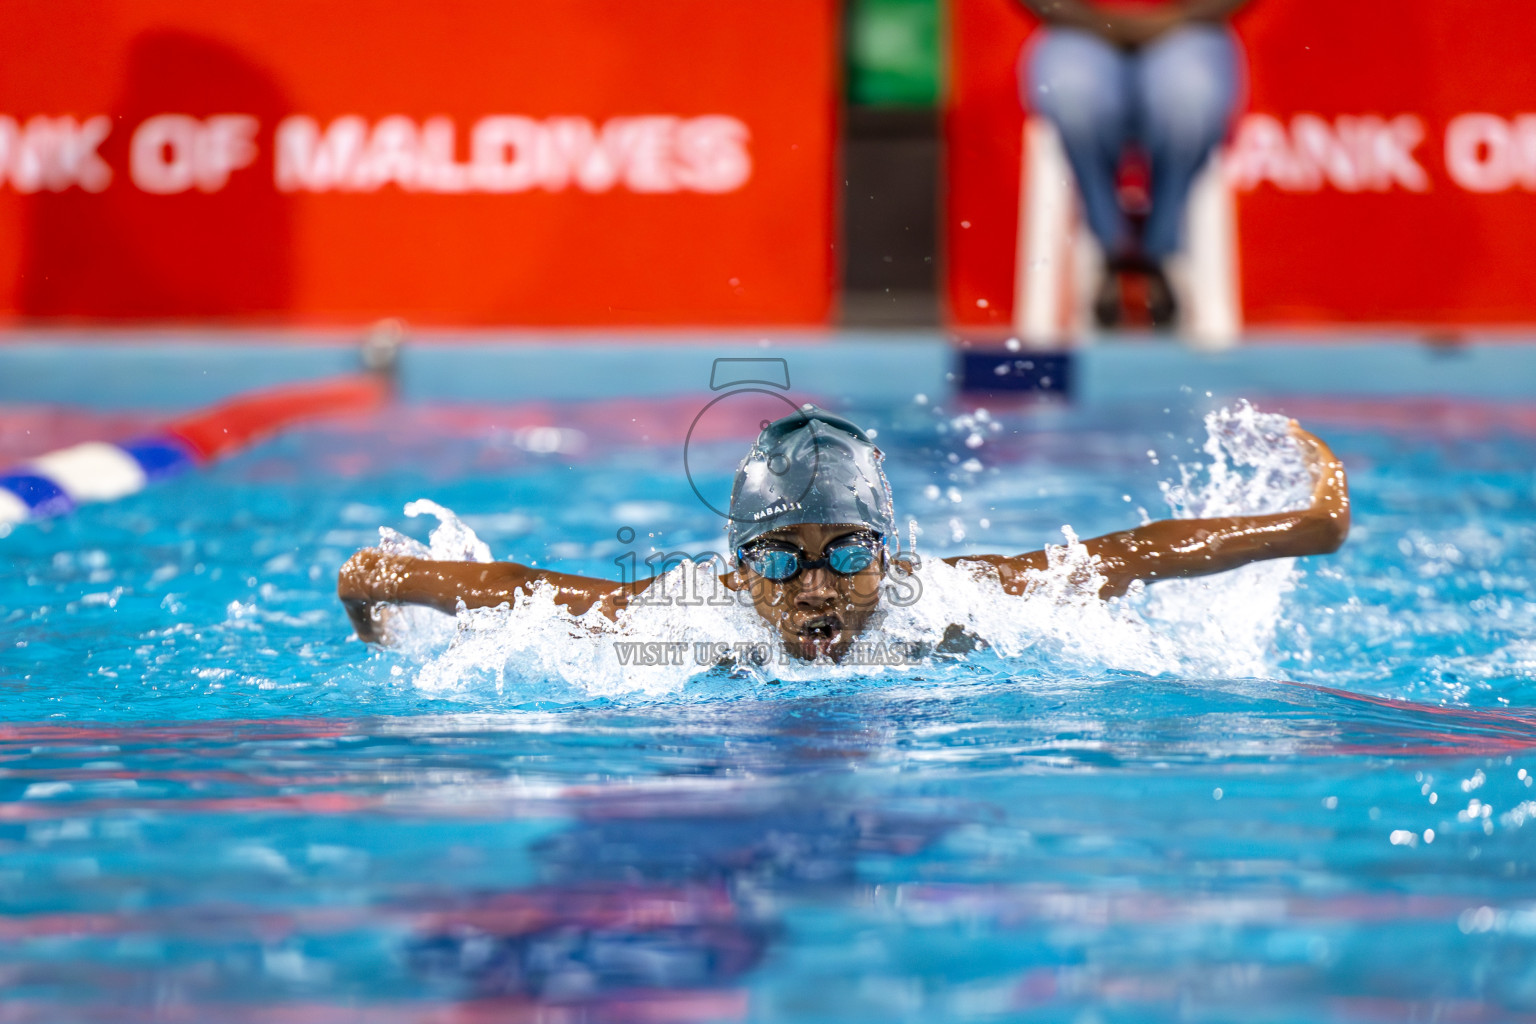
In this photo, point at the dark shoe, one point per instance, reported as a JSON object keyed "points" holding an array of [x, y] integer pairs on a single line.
{"points": [[1106, 304], [1162, 307]]}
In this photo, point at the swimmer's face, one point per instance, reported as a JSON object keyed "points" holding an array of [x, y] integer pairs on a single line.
{"points": [[818, 612]]}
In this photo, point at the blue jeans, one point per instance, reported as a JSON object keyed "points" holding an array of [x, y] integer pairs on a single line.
{"points": [[1175, 96]]}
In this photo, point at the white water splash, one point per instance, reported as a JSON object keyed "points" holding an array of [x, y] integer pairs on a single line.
{"points": [[1226, 623], [416, 630], [451, 540], [1216, 626], [1255, 467], [539, 649]]}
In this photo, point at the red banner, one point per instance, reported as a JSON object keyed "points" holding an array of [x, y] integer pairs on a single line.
{"points": [[1385, 170], [474, 162]]}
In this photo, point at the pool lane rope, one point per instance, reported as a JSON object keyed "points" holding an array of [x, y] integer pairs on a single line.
{"points": [[58, 482]]}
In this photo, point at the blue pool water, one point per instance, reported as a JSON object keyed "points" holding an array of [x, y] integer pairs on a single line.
{"points": [[1297, 794]]}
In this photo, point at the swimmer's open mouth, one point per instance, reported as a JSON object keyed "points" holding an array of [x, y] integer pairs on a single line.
{"points": [[821, 633], [826, 626]]}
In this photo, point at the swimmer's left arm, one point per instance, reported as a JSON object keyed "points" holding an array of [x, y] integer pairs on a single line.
{"points": [[1181, 548]]}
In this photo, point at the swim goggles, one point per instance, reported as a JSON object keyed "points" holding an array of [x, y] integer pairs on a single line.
{"points": [[779, 562]]}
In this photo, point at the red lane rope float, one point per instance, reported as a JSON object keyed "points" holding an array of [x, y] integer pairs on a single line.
{"points": [[57, 482], [249, 418]]}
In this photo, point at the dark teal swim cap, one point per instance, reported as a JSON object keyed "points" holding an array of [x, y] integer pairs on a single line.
{"points": [[810, 467]]}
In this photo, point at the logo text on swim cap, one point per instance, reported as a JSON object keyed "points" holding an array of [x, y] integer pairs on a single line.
{"points": [[773, 510]]}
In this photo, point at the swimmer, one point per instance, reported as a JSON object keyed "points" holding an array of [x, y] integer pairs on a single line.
{"points": [[811, 522]]}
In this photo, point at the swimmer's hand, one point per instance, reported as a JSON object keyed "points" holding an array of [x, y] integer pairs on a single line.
{"points": [[1330, 490], [365, 582], [1181, 548], [371, 578]]}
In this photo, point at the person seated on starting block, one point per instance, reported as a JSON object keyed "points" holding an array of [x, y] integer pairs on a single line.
{"points": [[810, 523], [1165, 77]]}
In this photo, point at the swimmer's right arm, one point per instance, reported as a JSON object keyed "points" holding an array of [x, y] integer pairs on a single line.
{"points": [[371, 578]]}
